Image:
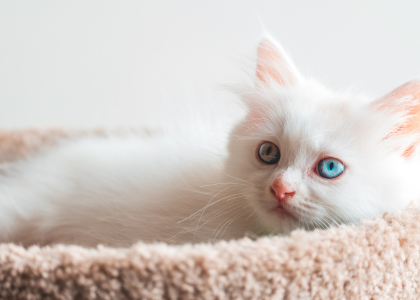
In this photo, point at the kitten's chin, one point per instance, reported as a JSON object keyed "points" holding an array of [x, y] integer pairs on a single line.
{"points": [[281, 212], [276, 218]]}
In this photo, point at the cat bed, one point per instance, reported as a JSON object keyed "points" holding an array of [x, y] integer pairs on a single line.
{"points": [[379, 259]]}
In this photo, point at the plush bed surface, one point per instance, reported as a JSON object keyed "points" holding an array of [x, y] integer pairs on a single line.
{"points": [[379, 259]]}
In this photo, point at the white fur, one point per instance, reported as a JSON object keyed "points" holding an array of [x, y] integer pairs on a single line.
{"points": [[308, 123], [182, 185], [117, 190]]}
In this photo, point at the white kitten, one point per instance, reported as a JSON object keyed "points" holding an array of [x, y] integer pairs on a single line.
{"points": [[304, 157]]}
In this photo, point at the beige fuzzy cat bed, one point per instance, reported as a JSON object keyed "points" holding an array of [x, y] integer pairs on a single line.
{"points": [[379, 259]]}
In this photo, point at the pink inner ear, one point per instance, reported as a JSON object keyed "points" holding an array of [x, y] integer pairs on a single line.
{"points": [[410, 89], [255, 116], [271, 65]]}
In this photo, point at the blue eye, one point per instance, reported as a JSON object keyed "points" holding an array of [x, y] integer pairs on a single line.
{"points": [[330, 168]]}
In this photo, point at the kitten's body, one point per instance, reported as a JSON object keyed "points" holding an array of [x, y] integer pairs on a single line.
{"points": [[118, 190], [183, 186]]}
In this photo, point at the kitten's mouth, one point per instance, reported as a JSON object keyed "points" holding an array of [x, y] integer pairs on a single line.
{"points": [[280, 209]]}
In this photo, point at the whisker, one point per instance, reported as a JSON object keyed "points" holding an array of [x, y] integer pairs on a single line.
{"points": [[206, 204], [239, 179], [228, 223], [231, 223], [235, 205], [198, 223], [221, 183], [221, 212], [250, 216], [209, 205]]}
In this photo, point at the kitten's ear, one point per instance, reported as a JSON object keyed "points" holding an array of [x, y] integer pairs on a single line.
{"points": [[403, 105], [274, 66]]}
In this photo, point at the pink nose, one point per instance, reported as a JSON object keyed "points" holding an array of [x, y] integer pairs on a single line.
{"points": [[283, 190]]}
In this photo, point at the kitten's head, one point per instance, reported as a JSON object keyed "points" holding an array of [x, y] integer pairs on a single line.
{"points": [[309, 157]]}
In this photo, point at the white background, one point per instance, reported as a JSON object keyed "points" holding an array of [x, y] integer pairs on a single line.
{"points": [[113, 63]]}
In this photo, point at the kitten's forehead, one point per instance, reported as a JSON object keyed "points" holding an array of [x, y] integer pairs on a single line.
{"points": [[307, 120]]}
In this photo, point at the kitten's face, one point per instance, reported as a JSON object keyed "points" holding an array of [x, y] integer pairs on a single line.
{"points": [[312, 158]]}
